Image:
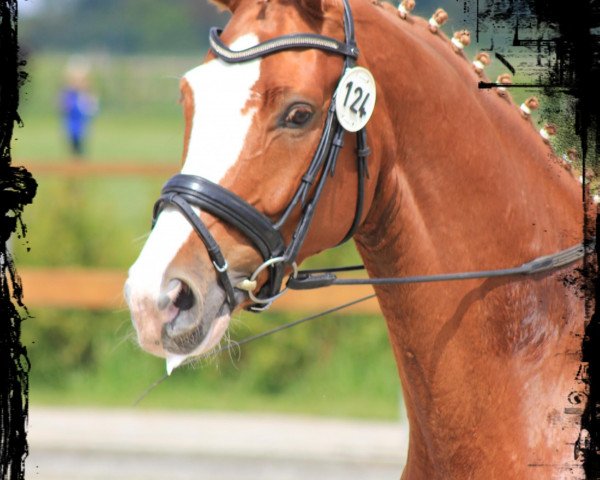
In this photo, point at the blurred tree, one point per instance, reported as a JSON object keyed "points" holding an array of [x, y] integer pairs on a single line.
{"points": [[141, 26], [120, 26]]}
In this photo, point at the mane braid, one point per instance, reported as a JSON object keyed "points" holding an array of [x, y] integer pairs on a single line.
{"points": [[403, 15]]}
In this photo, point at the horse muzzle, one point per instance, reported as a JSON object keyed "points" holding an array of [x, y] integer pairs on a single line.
{"points": [[179, 321]]}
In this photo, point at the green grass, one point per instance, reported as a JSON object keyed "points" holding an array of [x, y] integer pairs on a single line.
{"points": [[113, 137], [90, 223], [340, 365]]}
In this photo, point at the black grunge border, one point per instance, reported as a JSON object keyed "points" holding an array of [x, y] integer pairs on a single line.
{"points": [[566, 41], [17, 189], [576, 28]]}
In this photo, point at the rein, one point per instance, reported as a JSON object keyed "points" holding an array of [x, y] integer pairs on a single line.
{"points": [[310, 279]]}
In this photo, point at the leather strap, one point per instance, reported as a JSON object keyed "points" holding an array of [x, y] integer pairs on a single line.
{"points": [[228, 206], [309, 279], [274, 45], [210, 243], [347, 49], [185, 190], [362, 152]]}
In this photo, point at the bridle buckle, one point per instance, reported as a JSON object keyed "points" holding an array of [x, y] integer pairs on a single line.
{"points": [[222, 269]]}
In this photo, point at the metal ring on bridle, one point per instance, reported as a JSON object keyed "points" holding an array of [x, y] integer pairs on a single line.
{"points": [[267, 264]]}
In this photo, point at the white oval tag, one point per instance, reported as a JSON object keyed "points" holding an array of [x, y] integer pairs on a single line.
{"points": [[355, 100]]}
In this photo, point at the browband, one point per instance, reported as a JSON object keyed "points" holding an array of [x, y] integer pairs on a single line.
{"points": [[285, 42]]}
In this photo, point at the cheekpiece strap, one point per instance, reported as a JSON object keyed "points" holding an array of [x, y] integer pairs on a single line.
{"points": [[212, 247], [284, 42]]}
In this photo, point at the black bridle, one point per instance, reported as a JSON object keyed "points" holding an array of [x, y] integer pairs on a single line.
{"points": [[187, 191]]}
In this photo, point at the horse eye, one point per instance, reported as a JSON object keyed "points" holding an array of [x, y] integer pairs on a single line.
{"points": [[298, 116]]}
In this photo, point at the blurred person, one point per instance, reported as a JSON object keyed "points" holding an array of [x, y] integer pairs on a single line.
{"points": [[78, 106]]}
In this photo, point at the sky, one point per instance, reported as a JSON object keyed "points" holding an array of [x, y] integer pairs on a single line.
{"points": [[28, 8]]}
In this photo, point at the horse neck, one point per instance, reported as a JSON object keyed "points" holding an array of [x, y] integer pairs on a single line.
{"points": [[460, 169], [463, 182]]}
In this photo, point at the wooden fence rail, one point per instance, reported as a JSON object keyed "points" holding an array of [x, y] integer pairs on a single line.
{"points": [[101, 289], [104, 169], [95, 289]]}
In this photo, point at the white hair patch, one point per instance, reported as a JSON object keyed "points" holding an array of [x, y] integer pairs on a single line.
{"points": [[220, 123], [219, 128]]}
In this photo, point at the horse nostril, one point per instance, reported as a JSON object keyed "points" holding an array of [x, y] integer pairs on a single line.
{"points": [[171, 293], [185, 299]]}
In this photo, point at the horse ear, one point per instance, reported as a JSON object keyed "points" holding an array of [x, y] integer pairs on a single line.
{"points": [[222, 5], [316, 8]]}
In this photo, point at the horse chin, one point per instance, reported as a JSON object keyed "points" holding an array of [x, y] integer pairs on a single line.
{"points": [[208, 338], [192, 333]]}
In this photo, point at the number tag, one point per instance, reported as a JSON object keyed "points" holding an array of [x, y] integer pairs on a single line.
{"points": [[355, 99]]}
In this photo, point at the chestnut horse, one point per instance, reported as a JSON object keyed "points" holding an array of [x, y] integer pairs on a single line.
{"points": [[458, 180]]}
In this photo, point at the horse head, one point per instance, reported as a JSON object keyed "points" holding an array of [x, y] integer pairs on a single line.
{"points": [[254, 130]]}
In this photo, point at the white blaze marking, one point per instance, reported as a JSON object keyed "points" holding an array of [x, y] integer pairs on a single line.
{"points": [[219, 129], [165, 240]]}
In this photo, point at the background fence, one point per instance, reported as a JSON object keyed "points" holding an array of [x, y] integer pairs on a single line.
{"points": [[95, 288]]}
